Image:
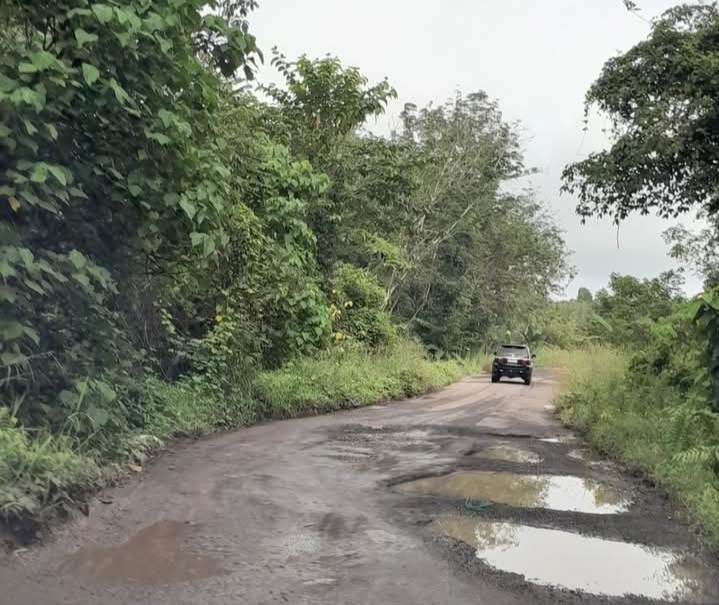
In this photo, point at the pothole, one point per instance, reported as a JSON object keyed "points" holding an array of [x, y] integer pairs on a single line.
{"points": [[567, 493], [155, 555], [508, 453], [562, 439], [576, 562]]}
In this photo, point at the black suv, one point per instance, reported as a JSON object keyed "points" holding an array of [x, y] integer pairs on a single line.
{"points": [[513, 361]]}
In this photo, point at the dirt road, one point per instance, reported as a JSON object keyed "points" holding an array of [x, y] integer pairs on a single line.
{"points": [[325, 510]]}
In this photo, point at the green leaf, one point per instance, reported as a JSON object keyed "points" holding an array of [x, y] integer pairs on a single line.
{"points": [[84, 37], [98, 416], [77, 258], [59, 174], [32, 334], [90, 73], [81, 278], [26, 256], [105, 390], [119, 91], [52, 131], [39, 61], [74, 191], [9, 358], [103, 12], [36, 287], [189, 208], [39, 173]]}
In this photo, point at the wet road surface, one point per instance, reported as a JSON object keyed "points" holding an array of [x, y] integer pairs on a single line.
{"points": [[473, 495]]}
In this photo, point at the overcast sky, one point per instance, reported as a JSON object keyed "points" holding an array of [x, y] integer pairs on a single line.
{"points": [[537, 57]]}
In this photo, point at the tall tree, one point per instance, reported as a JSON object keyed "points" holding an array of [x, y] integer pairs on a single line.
{"points": [[663, 99]]}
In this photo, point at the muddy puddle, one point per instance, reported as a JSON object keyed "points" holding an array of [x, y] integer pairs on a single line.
{"points": [[576, 562], [158, 554], [565, 493], [508, 453], [562, 439]]}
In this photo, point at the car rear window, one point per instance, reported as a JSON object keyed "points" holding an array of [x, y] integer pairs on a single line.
{"points": [[517, 351]]}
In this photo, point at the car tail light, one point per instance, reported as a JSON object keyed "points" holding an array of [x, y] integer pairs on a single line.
{"points": [[524, 362], [503, 360]]}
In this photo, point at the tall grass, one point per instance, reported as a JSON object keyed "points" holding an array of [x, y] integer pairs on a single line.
{"points": [[38, 469], [646, 423], [340, 380]]}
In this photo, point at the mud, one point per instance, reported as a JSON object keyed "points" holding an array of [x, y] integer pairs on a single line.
{"points": [[310, 511], [509, 454], [158, 554], [556, 492]]}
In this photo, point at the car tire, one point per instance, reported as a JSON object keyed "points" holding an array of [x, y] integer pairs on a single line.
{"points": [[495, 378], [528, 380]]}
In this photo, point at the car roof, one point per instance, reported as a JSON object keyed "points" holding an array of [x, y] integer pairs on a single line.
{"points": [[514, 346]]}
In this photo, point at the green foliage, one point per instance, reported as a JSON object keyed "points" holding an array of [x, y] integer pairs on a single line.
{"points": [[178, 255], [648, 423], [38, 471], [357, 310], [113, 160], [662, 97], [352, 377], [707, 319]]}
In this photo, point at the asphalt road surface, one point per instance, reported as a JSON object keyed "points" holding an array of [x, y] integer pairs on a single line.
{"points": [[324, 510]]}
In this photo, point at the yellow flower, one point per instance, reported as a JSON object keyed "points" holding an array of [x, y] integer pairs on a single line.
{"points": [[218, 318]]}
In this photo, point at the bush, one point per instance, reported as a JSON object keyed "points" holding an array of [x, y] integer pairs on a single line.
{"points": [[351, 377], [39, 471], [649, 423]]}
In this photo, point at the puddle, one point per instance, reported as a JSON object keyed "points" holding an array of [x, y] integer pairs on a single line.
{"points": [[156, 555], [562, 439], [509, 454], [535, 491], [576, 562]]}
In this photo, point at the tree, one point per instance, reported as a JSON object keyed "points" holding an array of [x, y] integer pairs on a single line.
{"points": [[112, 172], [663, 99], [698, 251], [584, 296]]}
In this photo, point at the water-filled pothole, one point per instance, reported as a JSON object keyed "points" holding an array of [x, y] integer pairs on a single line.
{"points": [[509, 454], [155, 555], [566, 493], [576, 562]]}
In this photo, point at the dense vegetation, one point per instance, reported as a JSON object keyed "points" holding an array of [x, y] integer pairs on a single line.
{"points": [[652, 398], [181, 250]]}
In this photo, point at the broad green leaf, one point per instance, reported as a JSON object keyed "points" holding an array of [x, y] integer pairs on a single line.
{"points": [[74, 191], [59, 174], [81, 278], [90, 73], [30, 127], [52, 131], [105, 390], [103, 12], [119, 91], [9, 358], [83, 37], [77, 258], [35, 286], [26, 256], [189, 208], [32, 334], [39, 173], [98, 416]]}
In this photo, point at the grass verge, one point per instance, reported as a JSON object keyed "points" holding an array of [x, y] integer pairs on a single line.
{"points": [[646, 423], [41, 473]]}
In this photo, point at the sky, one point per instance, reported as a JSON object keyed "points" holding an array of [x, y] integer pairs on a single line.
{"points": [[536, 57]]}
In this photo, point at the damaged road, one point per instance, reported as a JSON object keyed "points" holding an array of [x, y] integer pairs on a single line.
{"points": [[471, 495]]}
